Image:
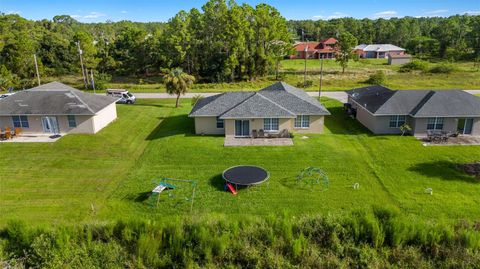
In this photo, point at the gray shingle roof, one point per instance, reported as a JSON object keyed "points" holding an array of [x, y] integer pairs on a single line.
{"points": [[417, 103], [257, 106], [218, 104], [372, 97], [293, 99], [53, 99], [379, 47], [450, 103], [279, 100]]}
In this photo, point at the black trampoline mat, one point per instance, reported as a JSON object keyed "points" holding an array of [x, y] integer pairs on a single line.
{"points": [[245, 175]]}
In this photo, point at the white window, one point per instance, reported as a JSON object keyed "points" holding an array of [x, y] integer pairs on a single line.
{"points": [[270, 125], [435, 124], [302, 121], [20, 121], [72, 123], [397, 121], [220, 123]]}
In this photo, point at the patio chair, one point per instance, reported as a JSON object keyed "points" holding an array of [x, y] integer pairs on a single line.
{"points": [[284, 134], [254, 133], [261, 133]]}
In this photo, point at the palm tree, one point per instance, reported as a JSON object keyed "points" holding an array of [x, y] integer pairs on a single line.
{"points": [[178, 82]]}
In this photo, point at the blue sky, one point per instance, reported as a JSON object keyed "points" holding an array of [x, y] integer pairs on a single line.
{"points": [[162, 10]]}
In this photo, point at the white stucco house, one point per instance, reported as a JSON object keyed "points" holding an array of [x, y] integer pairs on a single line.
{"points": [[56, 108]]}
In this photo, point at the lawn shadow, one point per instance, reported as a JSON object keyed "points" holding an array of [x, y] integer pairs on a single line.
{"points": [[340, 123], [217, 182], [443, 170], [153, 105], [142, 197], [173, 125]]}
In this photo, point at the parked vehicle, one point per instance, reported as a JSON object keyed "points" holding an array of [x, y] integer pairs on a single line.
{"points": [[125, 97], [5, 95]]}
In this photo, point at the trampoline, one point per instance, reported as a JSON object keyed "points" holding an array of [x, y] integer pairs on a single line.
{"points": [[245, 175]]}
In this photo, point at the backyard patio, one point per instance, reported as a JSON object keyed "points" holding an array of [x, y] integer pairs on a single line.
{"points": [[461, 140], [242, 142], [31, 138]]}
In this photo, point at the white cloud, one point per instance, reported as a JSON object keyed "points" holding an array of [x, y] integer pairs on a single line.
{"points": [[472, 12], [385, 14], [90, 16], [13, 12], [334, 15], [123, 12], [436, 12]]}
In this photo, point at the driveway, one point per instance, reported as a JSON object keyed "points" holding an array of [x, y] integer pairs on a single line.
{"points": [[340, 96]]}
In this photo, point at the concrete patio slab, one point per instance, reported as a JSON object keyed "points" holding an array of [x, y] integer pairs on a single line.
{"points": [[246, 142], [27, 138], [462, 140]]}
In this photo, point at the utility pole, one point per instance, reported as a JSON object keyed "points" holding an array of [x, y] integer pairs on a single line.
{"points": [[81, 65], [321, 77], [305, 68], [36, 68], [305, 59], [93, 81]]}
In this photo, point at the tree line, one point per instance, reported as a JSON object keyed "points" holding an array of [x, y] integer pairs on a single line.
{"points": [[221, 42]]}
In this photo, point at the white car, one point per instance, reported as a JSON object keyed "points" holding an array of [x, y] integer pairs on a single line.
{"points": [[124, 96], [5, 95]]}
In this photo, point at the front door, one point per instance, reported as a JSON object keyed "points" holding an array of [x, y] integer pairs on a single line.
{"points": [[465, 126], [242, 128], [50, 125]]}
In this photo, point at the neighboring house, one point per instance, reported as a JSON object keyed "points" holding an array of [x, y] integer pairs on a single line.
{"points": [[383, 110], [378, 50], [273, 109], [56, 108], [399, 59], [315, 50]]}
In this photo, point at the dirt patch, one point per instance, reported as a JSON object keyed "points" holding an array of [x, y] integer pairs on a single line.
{"points": [[472, 169]]}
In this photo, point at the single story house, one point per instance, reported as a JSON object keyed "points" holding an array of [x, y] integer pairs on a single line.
{"points": [[56, 108], [378, 50], [325, 49], [384, 111], [274, 109], [394, 59]]}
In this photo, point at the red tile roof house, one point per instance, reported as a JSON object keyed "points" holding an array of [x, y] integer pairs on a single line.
{"points": [[315, 50], [378, 50]]}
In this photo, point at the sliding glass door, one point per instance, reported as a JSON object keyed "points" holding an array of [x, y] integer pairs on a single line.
{"points": [[242, 128], [465, 126]]}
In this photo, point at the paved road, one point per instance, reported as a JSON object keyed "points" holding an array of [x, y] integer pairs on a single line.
{"points": [[340, 96]]}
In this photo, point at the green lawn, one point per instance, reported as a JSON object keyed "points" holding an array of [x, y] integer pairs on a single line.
{"points": [[465, 76], [107, 176]]}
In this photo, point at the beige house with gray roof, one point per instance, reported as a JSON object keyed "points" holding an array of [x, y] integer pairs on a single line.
{"points": [[274, 109], [383, 110], [56, 108]]}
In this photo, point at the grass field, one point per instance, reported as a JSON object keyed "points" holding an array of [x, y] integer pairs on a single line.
{"points": [[104, 177], [465, 76]]}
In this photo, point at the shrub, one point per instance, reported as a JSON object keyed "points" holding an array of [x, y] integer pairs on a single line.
{"points": [[196, 98], [378, 78], [101, 81], [442, 69], [414, 66], [307, 84]]}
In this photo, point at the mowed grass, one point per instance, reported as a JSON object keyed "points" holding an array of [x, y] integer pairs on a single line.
{"points": [[108, 176], [465, 76]]}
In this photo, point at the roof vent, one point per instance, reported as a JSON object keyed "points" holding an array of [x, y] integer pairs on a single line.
{"points": [[69, 95]]}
